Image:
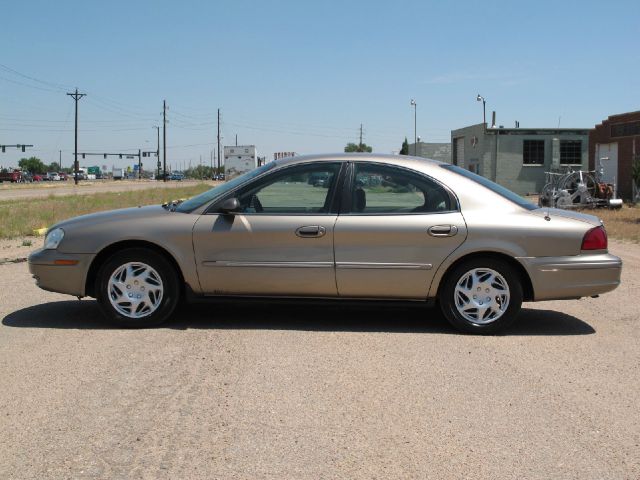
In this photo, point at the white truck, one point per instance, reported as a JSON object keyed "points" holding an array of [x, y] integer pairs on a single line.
{"points": [[239, 159], [118, 173]]}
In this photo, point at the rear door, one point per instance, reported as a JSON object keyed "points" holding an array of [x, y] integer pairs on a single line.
{"points": [[398, 229]]}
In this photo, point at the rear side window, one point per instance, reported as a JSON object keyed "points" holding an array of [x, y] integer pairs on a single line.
{"points": [[380, 189], [494, 187]]}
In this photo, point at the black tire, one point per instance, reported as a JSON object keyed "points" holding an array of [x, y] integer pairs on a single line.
{"points": [[164, 269], [447, 298]]}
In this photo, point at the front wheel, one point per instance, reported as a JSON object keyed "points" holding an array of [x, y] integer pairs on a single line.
{"points": [[137, 287], [481, 296]]}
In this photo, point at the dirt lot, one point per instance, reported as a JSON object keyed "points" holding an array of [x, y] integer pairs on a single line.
{"points": [[232, 391]]}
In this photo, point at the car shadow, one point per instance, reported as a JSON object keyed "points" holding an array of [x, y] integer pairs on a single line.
{"points": [[284, 316]]}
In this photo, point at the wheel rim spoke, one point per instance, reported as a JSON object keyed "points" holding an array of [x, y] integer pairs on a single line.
{"points": [[481, 296], [135, 290]]}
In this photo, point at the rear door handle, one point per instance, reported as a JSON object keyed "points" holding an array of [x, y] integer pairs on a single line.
{"points": [[443, 230], [311, 231]]}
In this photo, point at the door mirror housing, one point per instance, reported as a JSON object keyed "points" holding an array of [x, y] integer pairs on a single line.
{"points": [[230, 206]]}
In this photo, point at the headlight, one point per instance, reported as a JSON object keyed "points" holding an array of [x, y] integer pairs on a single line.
{"points": [[53, 239]]}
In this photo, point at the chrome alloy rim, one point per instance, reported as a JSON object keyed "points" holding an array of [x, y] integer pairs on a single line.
{"points": [[481, 296], [135, 290]]}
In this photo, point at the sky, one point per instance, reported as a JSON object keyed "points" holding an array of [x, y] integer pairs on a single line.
{"points": [[303, 75]]}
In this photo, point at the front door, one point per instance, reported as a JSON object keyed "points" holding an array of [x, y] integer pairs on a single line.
{"points": [[399, 229], [280, 242]]}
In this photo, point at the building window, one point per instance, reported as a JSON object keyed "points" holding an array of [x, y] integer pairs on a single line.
{"points": [[625, 129], [570, 152], [533, 152]]}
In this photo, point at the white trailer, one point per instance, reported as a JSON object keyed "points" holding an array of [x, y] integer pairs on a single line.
{"points": [[118, 173]]}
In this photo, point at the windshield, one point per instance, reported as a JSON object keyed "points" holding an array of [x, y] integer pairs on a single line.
{"points": [[494, 187], [217, 191]]}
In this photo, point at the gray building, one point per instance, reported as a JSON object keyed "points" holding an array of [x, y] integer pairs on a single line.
{"points": [[435, 151], [518, 158]]}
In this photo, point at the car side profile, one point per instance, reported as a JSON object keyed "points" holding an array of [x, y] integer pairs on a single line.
{"points": [[344, 226]]}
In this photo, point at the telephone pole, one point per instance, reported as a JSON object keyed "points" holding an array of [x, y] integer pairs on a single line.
{"points": [[360, 136], [158, 149], [76, 96], [164, 138], [218, 140], [60, 159]]}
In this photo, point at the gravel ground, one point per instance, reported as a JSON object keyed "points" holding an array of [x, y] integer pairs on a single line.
{"points": [[266, 391]]}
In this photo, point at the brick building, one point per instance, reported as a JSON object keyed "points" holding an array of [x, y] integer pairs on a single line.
{"points": [[613, 146]]}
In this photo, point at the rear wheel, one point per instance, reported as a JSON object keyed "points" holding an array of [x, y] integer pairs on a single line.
{"points": [[481, 296], [137, 287]]}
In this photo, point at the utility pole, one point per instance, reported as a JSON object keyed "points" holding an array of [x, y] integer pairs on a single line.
{"points": [[236, 139], [218, 140], [60, 159], [76, 96], [414, 104], [164, 140], [158, 149], [360, 145], [139, 164]]}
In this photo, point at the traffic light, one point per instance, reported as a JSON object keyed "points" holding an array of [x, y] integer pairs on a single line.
{"points": [[83, 155], [120, 156], [3, 148], [105, 156], [23, 148]]}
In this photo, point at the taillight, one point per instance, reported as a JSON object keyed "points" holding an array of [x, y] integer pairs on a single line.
{"points": [[595, 239]]}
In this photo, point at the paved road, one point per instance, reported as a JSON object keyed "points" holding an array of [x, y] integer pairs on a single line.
{"points": [[289, 392], [15, 192]]}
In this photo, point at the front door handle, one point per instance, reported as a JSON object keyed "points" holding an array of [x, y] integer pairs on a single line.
{"points": [[443, 230], [311, 231]]}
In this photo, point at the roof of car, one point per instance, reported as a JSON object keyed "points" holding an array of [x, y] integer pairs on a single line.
{"points": [[402, 160]]}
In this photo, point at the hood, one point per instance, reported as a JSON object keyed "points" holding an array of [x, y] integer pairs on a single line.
{"points": [[575, 215], [113, 215]]}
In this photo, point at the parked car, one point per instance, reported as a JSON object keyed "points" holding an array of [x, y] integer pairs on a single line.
{"points": [[177, 176], [53, 176], [385, 227], [37, 178], [63, 176]]}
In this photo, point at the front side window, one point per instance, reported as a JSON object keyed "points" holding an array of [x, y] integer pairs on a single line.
{"points": [[379, 189], [570, 152], [532, 152], [303, 189]]}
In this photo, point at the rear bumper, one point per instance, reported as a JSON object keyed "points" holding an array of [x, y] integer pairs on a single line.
{"points": [[69, 279], [556, 278]]}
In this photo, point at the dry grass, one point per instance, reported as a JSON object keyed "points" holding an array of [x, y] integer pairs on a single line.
{"points": [[22, 217], [623, 224]]}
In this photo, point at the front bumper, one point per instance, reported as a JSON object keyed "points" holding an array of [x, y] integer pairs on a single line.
{"points": [[69, 279], [557, 278]]}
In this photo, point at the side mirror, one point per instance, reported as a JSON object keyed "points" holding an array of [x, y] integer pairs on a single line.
{"points": [[230, 205]]}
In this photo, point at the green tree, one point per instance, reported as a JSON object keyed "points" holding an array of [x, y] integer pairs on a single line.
{"points": [[405, 147], [32, 165], [53, 167], [362, 147]]}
